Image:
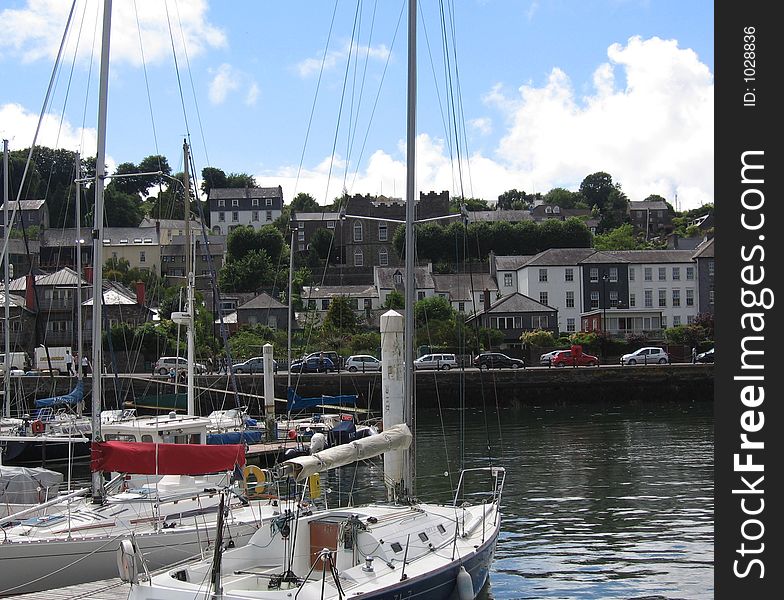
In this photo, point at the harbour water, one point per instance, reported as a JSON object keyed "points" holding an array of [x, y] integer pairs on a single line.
{"points": [[610, 501]]}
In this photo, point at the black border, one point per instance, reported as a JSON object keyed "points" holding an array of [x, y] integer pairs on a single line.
{"points": [[740, 128]]}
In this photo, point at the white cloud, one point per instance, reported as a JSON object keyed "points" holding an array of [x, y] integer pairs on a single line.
{"points": [[253, 95], [226, 79], [482, 125], [334, 58], [34, 32]]}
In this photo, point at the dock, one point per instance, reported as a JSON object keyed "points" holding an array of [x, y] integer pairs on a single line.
{"points": [[108, 589], [269, 453]]}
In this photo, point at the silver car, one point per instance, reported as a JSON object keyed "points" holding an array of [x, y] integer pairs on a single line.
{"points": [[362, 363], [436, 361], [649, 355]]}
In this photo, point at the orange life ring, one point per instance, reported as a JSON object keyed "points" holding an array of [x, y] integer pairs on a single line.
{"points": [[37, 426]]}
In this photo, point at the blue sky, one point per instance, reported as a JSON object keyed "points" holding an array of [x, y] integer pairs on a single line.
{"points": [[550, 90]]}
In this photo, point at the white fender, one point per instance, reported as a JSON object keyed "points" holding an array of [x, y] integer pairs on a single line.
{"points": [[464, 585], [126, 561]]}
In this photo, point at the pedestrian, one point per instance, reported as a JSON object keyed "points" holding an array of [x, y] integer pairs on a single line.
{"points": [[172, 375], [69, 363], [693, 354], [85, 365]]}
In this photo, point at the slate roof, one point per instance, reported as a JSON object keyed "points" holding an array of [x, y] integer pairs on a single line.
{"points": [[560, 257], [52, 238], [316, 216], [422, 275], [24, 204], [704, 250], [262, 301], [512, 216], [147, 222], [514, 303], [649, 256], [648, 205], [459, 286], [511, 263], [256, 192], [329, 291], [65, 277]]}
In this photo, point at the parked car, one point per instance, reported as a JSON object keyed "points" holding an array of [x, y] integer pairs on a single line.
{"points": [[436, 361], [546, 358], [362, 363], [565, 358], [314, 364], [336, 359], [254, 365], [645, 356], [165, 364], [705, 357], [497, 360]]}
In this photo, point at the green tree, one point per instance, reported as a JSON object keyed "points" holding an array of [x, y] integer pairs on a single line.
{"points": [[303, 202], [539, 338], [615, 212], [322, 242], [240, 242], [122, 209], [212, 177], [240, 180], [564, 198], [429, 310], [247, 274], [620, 238], [271, 241], [596, 189], [340, 316], [394, 300]]}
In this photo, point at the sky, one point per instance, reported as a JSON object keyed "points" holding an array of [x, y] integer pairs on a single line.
{"points": [[311, 94]]}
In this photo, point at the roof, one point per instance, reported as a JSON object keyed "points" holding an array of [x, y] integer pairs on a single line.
{"points": [[13, 300], [65, 277], [511, 263], [648, 256], [51, 238], [112, 297], [560, 257], [460, 285], [515, 303], [704, 250], [263, 300], [513, 216], [255, 192], [648, 205], [385, 277], [24, 204], [315, 216], [147, 222], [329, 291]]}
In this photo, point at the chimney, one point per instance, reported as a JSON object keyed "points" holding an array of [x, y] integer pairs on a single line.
{"points": [[140, 299], [88, 274], [30, 293], [487, 299]]}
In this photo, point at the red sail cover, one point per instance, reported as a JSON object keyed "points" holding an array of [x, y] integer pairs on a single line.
{"points": [[144, 458]]}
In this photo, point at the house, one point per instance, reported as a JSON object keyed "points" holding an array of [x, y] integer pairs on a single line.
{"points": [[29, 213], [208, 259], [364, 299], [706, 276], [652, 217], [515, 314], [21, 324], [389, 279], [263, 310], [465, 291], [231, 207]]}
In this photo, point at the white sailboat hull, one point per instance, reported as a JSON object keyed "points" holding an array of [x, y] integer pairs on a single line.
{"points": [[47, 563]]}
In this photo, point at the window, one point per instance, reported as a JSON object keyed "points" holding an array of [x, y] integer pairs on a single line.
{"points": [[662, 298], [382, 232], [235, 216], [569, 274], [676, 297], [594, 275], [254, 201], [221, 203], [301, 247], [664, 322], [594, 299], [540, 321], [142, 257], [690, 319], [357, 231], [420, 296], [648, 274], [648, 298], [507, 280], [330, 224], [631, 273], [325, 304], [570, 324], [503, 322], [689, 297], [569, 299], [269, 215], [711, 268], [137, 240], [301, 235], [632, 300], [235, 202], [690, 273], [614, 274], [461, 306], [614, 298], [676, 273], [662, 273], [543, 275], [359, 258], [383, 257], [543, 298], [267, 201], [255, 215], [221, 216], [676, 320]]}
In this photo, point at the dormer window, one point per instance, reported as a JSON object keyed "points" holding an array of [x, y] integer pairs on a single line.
{"points": [[221, 203], [548, 210], [397, 277]]}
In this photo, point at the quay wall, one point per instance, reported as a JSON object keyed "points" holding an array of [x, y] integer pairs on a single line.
{"points": [[447, 389]]}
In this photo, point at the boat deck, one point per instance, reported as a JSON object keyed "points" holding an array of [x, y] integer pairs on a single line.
{"points": [[109, 589]]}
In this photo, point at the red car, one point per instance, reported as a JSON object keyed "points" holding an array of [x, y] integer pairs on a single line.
{"points": [[565, 359]]}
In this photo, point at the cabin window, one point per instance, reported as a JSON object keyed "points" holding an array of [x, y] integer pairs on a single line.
{"points": [[423, 536], [396, 547], [147, 437]]}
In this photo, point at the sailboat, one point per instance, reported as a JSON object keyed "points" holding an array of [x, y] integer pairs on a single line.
{"points": [[169, 506], [398, 549]]}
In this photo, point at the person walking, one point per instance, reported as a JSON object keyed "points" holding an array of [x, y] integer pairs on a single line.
{"points": [[69, 363], [693, 355], [85, 365]]}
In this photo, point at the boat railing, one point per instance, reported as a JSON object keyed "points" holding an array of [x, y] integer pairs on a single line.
{"points": [[493, 495]]}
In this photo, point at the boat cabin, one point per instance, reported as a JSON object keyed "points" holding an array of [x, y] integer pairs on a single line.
{"points": [[165, 429]]}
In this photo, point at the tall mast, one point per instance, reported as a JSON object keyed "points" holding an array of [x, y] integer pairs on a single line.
{"points": [[289, 322], [79, 242], [189, 283], [409, 471], [100, 176], [6, 281]]}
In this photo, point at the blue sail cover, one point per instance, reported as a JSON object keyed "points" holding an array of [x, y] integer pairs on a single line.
{"points": [[297, 402], [249, 436], [69, 399]]}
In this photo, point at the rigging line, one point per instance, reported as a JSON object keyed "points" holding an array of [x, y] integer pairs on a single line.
{"points": [[315, 98], [89, 77], [55, 70], [176, 66], [353, 57], [147, 83], [380, 87]]}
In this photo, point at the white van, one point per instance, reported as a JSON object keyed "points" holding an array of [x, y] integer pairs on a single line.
{"points": [[17, 360], [56, 359], [442, 362]]}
